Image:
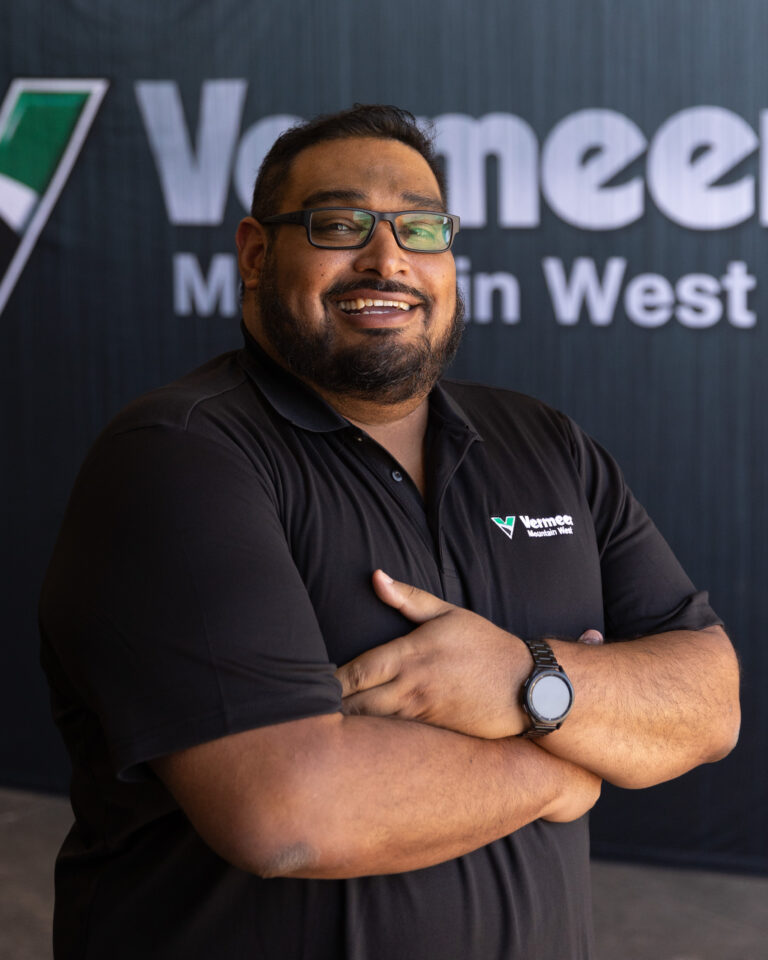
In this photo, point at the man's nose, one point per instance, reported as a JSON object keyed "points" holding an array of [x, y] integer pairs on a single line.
{"points": [[382, 254]]}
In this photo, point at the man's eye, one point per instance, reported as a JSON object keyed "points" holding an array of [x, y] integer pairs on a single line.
{"points": [[335, 226], [420, 230]]}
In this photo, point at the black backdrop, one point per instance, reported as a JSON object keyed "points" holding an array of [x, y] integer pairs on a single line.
{"points": [[609, 165]]}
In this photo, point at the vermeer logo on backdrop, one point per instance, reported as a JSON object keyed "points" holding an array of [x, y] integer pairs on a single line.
{"points": [[43, 125], [595, 170]]}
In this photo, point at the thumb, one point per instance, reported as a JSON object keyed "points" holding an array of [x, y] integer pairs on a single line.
{"points": [[417, 605]]}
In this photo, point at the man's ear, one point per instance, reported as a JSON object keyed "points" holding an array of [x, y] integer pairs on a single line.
{"points": [[251, 238]]}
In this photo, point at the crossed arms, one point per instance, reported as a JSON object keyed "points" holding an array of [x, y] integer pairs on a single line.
{"points": [[371, 791]]}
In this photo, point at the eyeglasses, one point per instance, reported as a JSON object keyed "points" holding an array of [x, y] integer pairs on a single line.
{"points": [[348, 228]]}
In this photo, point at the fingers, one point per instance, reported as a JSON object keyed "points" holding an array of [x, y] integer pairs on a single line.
{"points": [[592, 637], [383, 701], [382, 664], [371, 669], [417, 605]]}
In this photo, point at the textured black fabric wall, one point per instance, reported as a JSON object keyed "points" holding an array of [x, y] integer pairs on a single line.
{"points": [[606, 160]]}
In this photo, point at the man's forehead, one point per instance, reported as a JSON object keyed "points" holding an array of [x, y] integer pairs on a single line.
{"points": [[354, 171], [345, 197]]}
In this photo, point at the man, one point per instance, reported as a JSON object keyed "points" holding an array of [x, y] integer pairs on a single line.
{"points": [[318, 498]]}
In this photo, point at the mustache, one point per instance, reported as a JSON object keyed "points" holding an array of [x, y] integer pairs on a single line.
{"points": [[380, 286]]}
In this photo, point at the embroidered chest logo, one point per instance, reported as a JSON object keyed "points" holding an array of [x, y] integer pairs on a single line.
{"points": [[562, 524], [506, 526]]}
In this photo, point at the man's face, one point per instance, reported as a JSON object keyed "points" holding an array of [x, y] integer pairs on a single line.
{"points": [[309, 312]]}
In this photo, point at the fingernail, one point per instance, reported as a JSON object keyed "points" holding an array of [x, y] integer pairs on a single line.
{"points": [[387, 577]]}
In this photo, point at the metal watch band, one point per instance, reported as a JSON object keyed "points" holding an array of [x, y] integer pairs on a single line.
{"points": [[542, 653]]}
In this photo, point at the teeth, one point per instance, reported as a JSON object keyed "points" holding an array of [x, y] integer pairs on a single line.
{"points": [[359, 303]]}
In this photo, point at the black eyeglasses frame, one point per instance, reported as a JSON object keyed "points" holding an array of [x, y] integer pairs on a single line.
{"points": [[303, 217]]}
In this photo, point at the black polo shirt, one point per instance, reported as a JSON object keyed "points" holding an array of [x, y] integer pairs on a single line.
{"points": [[214, 565]]}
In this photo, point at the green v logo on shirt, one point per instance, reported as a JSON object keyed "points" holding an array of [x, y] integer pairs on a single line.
{"points": [[506, 526], [43, 126]]}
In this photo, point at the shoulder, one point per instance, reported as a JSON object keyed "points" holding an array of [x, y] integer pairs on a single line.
{"points": [[206, 393], [219, 404], [210, 429]]}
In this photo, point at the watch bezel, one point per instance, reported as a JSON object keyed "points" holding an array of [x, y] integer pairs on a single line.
{"points": [[544, 664], [551, 723]]}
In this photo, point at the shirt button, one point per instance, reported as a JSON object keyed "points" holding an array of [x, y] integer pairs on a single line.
{"points": [[396, 475]]}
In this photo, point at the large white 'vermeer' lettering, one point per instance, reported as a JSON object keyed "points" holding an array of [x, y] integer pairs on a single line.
{"points": [[578, 168]]}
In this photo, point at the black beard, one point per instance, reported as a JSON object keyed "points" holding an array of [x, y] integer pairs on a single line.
{"points": [[381, 368]]}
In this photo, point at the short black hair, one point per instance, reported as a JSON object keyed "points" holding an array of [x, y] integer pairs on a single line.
{"points": [[381, 121]]}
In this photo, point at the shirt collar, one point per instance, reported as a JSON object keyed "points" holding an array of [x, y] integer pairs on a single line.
{"points": [[448, 409], [291, 398], [298, 403]]}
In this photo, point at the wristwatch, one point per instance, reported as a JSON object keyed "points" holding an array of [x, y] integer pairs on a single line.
{"points": [[547, 694]]}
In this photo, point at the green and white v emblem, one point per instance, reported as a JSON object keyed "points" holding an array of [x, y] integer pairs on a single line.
{"points": [[506, 526], [43, 125]]}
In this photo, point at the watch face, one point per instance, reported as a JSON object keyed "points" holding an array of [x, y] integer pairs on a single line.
{"points": [[550, 696]]}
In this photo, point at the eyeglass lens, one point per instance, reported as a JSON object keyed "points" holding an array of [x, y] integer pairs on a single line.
{"points": [[349, 228]]}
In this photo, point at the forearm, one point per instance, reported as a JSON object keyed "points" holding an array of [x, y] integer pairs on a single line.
{"points": [[645, 710], [401, 795], [351, 796], [648, 710]]}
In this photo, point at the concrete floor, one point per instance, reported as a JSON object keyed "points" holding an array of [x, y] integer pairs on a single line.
{"points": [[641, 913]]}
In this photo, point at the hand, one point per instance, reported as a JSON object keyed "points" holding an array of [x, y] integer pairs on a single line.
{"points": [[456, 670]]}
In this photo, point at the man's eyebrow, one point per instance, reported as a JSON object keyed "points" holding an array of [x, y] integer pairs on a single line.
{"points": [[424, 202], [344, 197], [348, 198]]}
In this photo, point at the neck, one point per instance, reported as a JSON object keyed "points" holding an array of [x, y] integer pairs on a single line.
{"points": [[400, 428], [373, 415]]}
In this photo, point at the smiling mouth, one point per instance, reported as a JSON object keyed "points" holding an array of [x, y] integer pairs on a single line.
{"points": [[368, 305]]}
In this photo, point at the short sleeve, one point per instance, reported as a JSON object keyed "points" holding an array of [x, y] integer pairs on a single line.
{"points": [[172, 601], [645, 590]]}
